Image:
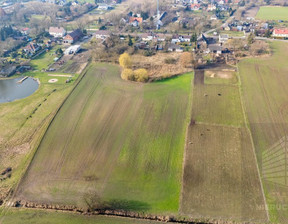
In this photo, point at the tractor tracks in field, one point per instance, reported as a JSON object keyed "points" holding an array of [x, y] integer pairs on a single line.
{"points": [[252, 142]]}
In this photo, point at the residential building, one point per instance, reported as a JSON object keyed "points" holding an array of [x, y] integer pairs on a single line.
{"points": [[31, 48], [175, 47], [135, 21], [223, 38], [280, 32], [57, 32], [73, 37], [102, 34]]}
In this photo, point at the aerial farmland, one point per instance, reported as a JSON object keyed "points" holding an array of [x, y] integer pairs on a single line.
{"points": [[135, 112]]}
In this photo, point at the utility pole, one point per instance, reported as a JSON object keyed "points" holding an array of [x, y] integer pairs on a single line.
{"points": [[158, 16]]}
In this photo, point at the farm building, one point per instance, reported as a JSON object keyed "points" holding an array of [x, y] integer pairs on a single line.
{"points": [[72, 50], [57, 31], [73, 37], [280, 33]]}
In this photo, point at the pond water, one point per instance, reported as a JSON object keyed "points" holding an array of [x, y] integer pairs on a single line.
{"points": [[11, 89]]}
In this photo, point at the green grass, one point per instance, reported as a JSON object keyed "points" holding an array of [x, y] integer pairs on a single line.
{"points": [[272, 13], [264, 89], [44, 60], [217, 104], [26, 216], [119, 140], [24, 121]]}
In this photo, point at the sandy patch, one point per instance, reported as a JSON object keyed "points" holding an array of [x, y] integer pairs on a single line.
{"points": [[53, 80], [219, 74]]}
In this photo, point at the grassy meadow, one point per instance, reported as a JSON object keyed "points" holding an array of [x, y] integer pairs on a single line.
{"points": [[264, 87], [120, 141], [29, 216], [272, 13], [23, 122]]}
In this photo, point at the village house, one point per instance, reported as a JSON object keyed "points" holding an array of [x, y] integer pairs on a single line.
{"points": [[73, 37], [31, 48], [280, 33], [135, 21], [25, 31], [211, 7], [102, 34], [104, 7], [174, 47], [147, 36], [180, 38], [214, 48], [57, 32], [195, 7], [223, 38]]}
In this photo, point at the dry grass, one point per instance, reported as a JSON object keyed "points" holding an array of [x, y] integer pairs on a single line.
{"points": [[220, 175], [156, 65]]}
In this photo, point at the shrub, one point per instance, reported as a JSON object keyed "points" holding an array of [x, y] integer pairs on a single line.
{"points": [[141, 75], [170, 60], [127, 74], [125, 60]]}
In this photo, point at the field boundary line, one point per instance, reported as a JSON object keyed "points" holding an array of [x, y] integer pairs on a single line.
{"points": [[189, 115], [218, 125], [252, 142]]}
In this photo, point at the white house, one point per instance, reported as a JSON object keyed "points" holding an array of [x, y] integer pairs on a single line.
{"points": [[57, 31], [102, 34], [280, 32]]}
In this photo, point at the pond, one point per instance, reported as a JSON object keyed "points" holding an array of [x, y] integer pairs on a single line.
{"points": [[12, 89]]}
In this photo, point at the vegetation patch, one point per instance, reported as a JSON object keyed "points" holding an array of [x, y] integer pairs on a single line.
{"points": [[265, 94], [118, 141], [273, 13]]}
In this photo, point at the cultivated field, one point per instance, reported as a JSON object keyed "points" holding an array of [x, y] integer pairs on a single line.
{"points": [[220, 175], [220, 178], [273, 13], [265, 92], [217, 104], [118, 141]]}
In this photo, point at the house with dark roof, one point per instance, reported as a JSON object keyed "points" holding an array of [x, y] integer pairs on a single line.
{"points": [[73, 37], [102, 34]]}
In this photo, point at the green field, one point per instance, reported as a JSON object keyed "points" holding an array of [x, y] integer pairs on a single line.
{"points": [[272, 13], [26, 216], [265, 93], [220, 178], [122, 142], [44, 60]]}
